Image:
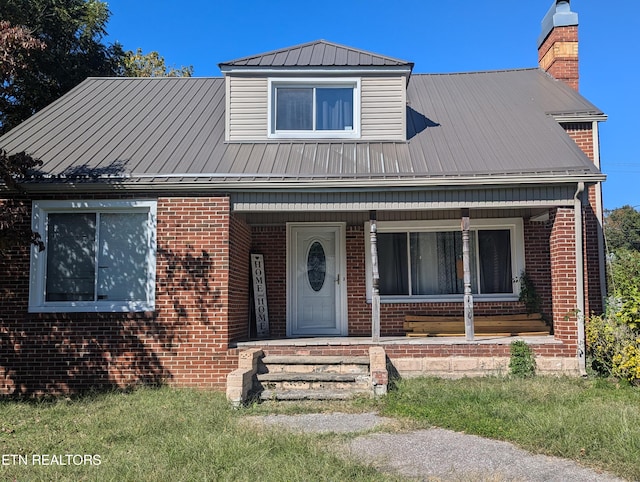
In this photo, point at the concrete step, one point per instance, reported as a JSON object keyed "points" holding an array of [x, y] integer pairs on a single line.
{"points": [[308, 377], [312, 394], [304, 377], [315, 360], [315, 368]]}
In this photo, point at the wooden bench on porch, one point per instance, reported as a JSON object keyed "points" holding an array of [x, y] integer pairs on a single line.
{"points": [[487, 325]]}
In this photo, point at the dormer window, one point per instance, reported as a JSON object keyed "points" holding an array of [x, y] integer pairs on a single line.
{"points": [[314, 108]]}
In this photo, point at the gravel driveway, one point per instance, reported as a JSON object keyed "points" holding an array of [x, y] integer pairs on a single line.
{"points": [[438, 455]]}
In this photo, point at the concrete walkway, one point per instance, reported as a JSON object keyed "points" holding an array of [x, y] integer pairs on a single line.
{"points": [[436, 454]]}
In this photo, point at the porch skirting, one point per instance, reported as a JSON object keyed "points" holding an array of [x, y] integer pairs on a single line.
{"points": [[441, 357]]}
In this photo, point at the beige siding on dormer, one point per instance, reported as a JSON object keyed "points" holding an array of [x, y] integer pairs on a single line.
{"points": [[247, 109], [384, 102]]}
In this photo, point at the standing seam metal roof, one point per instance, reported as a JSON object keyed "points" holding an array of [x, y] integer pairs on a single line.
{"points": [[319, 53], [481, 125]]}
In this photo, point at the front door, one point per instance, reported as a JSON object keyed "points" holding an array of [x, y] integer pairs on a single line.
{"points": [[316, 280]]}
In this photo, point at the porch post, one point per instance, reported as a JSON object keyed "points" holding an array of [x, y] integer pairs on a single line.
{"points": [[468, 297], [375, 285]]}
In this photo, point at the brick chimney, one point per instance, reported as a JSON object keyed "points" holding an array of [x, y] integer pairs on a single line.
{"points": [[558, 43]]}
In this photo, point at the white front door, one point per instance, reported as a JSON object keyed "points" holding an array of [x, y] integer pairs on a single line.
{"points": [[316, 280]]}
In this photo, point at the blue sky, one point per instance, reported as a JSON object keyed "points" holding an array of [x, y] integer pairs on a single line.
{"points": [[438, 36]]}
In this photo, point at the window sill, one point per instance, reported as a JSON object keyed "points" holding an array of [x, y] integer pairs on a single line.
{"points": [[133, 307]]}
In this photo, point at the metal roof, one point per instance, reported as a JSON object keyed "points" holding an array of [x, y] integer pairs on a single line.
{"points": [[319, 53], [469, 128]]}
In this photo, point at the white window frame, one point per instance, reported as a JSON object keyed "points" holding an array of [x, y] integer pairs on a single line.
{"points": [[514, 225], [306, 82], [37, 285]]}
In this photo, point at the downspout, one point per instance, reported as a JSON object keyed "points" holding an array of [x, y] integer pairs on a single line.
{"points": [[580, 302]]}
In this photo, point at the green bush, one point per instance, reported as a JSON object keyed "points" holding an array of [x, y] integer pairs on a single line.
{"points": [[522, 363], [626, 362], [613, 339], [624, 276], [602, 338]]}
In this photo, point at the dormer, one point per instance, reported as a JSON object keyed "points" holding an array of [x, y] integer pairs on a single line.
{"points": [[316, 91]]}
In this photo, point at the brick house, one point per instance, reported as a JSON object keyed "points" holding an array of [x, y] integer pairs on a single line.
{"points": [[374, 194]]}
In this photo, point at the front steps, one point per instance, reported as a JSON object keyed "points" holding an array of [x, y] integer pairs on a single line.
{"points": [[306, 377], [302, 377]]}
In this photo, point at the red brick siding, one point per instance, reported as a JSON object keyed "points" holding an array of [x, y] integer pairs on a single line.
{"points": [[592, 256], [538, 263], [563, 275], [582, 134], [271, 242], [239, 279], [184, 342]]}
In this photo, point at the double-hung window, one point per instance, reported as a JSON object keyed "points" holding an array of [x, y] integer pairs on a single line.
{"points": [[425, 261], [311, 108], [99, 256]]}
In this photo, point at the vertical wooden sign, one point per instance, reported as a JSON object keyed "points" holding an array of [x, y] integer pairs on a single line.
{"points": [[260, 295]]}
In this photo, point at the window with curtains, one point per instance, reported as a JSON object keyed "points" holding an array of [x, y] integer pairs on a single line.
{"points": [[425, 260], [99, 256], [314, 108]]}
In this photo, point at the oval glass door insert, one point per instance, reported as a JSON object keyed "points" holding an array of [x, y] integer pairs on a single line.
{"points": [[316, 266]]}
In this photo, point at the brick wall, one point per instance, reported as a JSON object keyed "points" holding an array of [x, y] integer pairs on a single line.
{"points": [[558, 55], [538, 262], [271, 242], [239, 279], [563, 276], [582, 134], [184, 342]]}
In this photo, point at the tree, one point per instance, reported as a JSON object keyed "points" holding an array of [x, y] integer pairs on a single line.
{"points": [[13, 230], [622, 229], [64, 41], [16, 44], [137, 64]]}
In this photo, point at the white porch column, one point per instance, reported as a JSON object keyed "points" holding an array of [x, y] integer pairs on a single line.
{"points": [[375, 285], [466, 266]]}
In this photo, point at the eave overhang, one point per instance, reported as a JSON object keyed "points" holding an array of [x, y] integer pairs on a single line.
{"points": [[254, 182]]}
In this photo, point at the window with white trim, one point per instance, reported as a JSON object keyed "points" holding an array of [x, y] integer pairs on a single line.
{"points": [[314, 108], [99, 256], [423, 260]]}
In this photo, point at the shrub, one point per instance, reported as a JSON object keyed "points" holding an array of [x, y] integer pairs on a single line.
{"points": [[626, 362], [613, 340], [522, 363], [614, 347]]}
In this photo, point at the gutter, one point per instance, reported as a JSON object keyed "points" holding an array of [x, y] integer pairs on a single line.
{"points": [[580, 301], [271, 182]]}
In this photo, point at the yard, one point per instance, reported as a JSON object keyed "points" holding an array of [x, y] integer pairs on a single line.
{"points": [[178, 434]]}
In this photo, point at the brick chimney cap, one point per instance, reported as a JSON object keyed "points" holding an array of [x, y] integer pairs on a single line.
{"points": [[559, 15]]}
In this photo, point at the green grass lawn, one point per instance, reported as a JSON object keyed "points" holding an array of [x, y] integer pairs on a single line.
{"points": [[594, 422], [178, 434], [159, 434]]}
